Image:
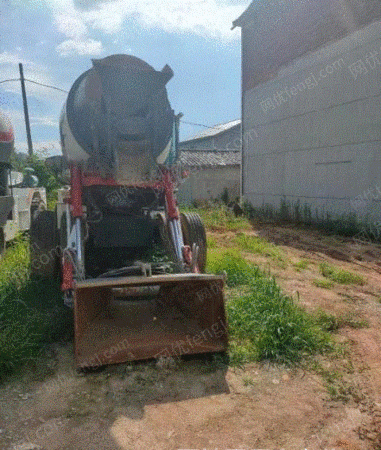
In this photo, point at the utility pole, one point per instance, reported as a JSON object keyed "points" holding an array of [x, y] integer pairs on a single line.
{"points": [[26, 114]]}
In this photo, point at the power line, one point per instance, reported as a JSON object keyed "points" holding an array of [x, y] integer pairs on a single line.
{"points": [[66, 92], [198, 124], [46, 85], [12, 79], [35, 82]]}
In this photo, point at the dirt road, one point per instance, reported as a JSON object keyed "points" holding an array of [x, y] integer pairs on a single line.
{"points": [[202, 403]]}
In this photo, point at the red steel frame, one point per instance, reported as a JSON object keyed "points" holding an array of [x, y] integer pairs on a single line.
{"points": [[79, 179]]}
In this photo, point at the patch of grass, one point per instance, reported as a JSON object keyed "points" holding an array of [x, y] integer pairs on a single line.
{"points": [[324, 284], [211, 242], [259, 246], [339, 389], [31, 311], [338, 386], [340, 276], [265, 323], [301, 265], [344, 391], [330, 322], [238, 270], [327, 322], [220, 218], [350, 320]]}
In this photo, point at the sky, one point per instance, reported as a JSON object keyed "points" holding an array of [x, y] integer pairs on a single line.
{"points": [[55, 41]]}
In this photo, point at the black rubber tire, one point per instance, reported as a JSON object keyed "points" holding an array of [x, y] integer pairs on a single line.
{"points": [[194, 233], [165, 237], [44, 249]]}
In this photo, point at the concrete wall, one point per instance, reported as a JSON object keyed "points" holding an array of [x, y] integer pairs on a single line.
{"points": [[318, 130], [209, 183], [227, 141]]}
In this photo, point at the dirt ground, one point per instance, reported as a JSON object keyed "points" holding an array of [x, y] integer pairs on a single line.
{"points": [[200, 403]]}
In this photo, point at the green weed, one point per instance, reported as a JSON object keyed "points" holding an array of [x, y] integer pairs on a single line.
{"points": [[330, 322], [301, 265], [265, 323], [211, 242], [220, 218], [247, 381], [340, 276], [237, 269], [253, 244], [324, 284], [31, 311]]}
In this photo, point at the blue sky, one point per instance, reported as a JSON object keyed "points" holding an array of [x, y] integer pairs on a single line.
{"points": [[56, 39]]}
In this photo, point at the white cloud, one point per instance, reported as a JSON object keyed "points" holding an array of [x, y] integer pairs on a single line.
{"points": [[80, 47], [45, 121], [9, 58], [209, 18], [71, 25]]}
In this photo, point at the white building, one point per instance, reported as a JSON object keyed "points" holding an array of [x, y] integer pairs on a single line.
{"points": [[311, 95]]}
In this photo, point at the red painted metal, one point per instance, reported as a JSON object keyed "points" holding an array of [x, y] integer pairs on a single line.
{"points": [[172, 210], [187, 254], [96, 180], [76, 190], [6, 136], [67, 275], [188, 258]]}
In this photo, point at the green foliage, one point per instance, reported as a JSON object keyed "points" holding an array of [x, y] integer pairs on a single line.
{"points": [[340, 276], [220, 218], [260, 246], [237, 269], [280, 330], [349, 224], [31, 311], [46, 177], [264, 323]]}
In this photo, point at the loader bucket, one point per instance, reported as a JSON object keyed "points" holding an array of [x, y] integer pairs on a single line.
{"points": [[132, 318]]}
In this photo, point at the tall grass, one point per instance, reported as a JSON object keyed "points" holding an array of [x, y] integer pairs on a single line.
{"points": [[265, 323], [31, 311]]}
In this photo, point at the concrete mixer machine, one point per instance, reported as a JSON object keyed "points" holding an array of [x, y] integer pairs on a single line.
{"points": [[131, 264]]}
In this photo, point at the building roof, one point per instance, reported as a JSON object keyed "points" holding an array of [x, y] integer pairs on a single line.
{"points": [[214, 131], [202, 158], [247, 15]]}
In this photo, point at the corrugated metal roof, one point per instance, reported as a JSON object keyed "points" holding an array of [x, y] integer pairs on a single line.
{"points": [[217, 129], [199, 158]]}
